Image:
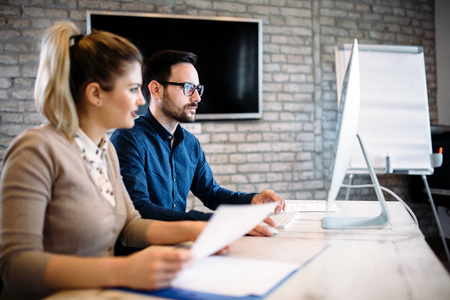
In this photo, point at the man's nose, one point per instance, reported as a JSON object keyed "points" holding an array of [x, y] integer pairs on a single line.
{"points": [[196, 97]]}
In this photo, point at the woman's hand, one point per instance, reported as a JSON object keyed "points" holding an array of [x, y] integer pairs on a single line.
{"points": [[260, 230], [154, 267]]}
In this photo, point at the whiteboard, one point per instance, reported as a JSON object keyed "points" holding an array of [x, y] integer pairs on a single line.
{"points": [[394, 118]]}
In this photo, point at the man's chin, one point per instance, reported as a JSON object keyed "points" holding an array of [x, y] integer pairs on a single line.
{"points": [[190, 118]]}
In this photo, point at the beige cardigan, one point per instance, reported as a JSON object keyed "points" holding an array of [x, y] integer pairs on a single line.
{"points": [[50, 205]]}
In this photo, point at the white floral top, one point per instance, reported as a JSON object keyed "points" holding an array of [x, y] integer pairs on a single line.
{"points": [[94, 156]]}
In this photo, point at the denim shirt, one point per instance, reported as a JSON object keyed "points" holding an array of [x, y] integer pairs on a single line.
{"points": [[158, 177]]}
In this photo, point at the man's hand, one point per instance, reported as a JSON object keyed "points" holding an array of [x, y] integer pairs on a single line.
{"points": [[270, 196]]}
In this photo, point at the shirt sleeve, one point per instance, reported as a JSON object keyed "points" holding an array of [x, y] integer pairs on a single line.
{"points": [[133, 169], [26, 182]]}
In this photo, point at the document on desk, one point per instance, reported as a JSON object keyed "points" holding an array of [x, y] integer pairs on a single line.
{"points": [[222, 275], [234, 277]]}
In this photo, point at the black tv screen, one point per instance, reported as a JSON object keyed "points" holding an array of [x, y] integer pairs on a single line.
{"points": [[229, 55]]}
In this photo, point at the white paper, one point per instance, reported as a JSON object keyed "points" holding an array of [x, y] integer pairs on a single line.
{"points": [[229, 223], [233, 276]]}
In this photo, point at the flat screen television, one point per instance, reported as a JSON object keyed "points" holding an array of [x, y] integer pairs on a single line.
{"points": [[229, 55]]}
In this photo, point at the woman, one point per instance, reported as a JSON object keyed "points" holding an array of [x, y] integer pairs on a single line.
{"points": [[63, 203]]}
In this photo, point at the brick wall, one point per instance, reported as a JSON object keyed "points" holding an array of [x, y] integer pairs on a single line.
{"points": [[289, 148]]}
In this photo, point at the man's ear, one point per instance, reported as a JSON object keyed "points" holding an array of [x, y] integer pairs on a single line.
{"points": [[93, 93], [155, 89]]}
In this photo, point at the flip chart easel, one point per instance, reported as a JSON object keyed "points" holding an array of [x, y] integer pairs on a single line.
{"points": [[394, 116]]}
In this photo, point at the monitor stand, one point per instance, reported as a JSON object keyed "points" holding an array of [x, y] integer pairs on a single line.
{"points": [[380, 221]]}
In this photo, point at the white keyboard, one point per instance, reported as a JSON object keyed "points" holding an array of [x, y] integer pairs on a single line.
{"points": [[284, 218], [310, 207]]}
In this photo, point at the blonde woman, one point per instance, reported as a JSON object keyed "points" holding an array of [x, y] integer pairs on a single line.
{"points": [[63, 203]]}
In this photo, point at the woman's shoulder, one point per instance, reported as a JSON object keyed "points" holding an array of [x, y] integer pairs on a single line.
{"points": [[44, 136]]}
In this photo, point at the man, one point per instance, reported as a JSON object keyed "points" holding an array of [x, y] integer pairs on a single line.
{"points": [[160, 161]]}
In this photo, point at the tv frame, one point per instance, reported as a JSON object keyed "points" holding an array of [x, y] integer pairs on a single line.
{"points": [[202, 116]]}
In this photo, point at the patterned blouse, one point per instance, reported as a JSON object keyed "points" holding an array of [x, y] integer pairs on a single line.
{"points": [[94, 156]]}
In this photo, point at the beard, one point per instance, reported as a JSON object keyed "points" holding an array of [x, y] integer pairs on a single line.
{"points": [[182, 115]]}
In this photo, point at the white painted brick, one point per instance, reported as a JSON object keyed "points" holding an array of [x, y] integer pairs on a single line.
{"points": [[238, 178], [253, 158], [251, 168], [256, 178], [254, 147], [23, 94], [224, 169], [238, 158], [5, 83], [219, 148], [218, 159], [228, 6], [33, 11]]}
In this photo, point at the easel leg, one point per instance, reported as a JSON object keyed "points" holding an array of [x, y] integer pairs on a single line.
{"points": [[436, 216], [350, 179]]}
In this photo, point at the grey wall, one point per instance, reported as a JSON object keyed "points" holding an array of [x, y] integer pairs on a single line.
{"points": [[289, 148]]}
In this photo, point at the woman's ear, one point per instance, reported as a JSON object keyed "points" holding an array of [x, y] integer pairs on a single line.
{"points": [[93, 94], [155, 89]]}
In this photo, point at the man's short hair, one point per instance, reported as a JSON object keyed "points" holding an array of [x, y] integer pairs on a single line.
{"points": [[159, 65]]}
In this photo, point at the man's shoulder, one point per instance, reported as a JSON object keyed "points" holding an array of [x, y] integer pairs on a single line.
{"points": [[190, 138]]}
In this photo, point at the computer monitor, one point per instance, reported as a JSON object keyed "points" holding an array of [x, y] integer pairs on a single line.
{"points": [[345, 137]]}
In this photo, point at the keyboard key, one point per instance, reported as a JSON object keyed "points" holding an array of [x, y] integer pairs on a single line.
{"points": [[284, 219]]}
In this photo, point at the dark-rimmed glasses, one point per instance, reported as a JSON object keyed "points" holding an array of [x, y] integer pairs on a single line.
{"points": [[188, 88]]}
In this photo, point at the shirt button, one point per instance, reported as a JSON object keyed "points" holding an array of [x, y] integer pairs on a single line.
{"points": [[174, 179], [170, 137], [175, 205]]}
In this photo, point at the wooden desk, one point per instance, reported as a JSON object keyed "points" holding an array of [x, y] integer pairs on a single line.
{"points": [[393, 263]]}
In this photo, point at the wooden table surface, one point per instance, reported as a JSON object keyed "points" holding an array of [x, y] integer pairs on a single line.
{"points": [[392, 263]]}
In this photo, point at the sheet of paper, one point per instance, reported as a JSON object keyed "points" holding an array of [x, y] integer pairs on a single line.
{"points": [[228, 224], [236, 277]]}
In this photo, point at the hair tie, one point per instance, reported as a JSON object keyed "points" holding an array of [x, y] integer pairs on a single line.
{"points": [[77, 38]]}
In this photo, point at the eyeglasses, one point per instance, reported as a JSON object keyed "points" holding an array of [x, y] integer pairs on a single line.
{"points": [[188, 88]]}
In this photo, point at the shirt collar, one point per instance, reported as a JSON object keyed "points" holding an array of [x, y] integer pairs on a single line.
{"points": [[162, 132], [93, 153]]}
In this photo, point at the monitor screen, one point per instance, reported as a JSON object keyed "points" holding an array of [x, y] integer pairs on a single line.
{"points": [[229, 55], [346, 136], [346, 126]]}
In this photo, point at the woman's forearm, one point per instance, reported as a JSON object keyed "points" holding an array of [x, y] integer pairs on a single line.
{"points": [[148, 269], [166, 233], [65, 271]]}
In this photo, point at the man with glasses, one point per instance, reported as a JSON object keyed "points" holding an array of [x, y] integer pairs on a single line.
{"points": [[160, 162]]}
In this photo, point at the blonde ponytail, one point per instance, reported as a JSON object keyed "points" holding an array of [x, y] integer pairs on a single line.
{"points": [[52, 90], [69, 62]]}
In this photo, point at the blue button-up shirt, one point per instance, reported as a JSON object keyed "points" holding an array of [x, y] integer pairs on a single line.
{"points": [[158, 177]]}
